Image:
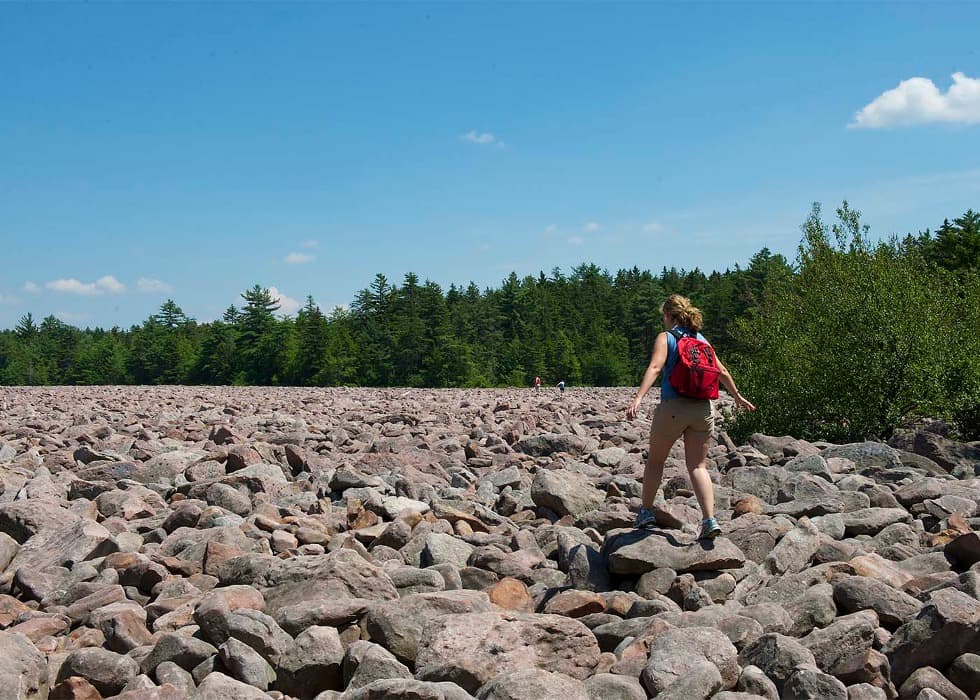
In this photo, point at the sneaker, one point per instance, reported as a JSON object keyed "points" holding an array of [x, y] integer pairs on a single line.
{"points": [[645, 519], [709, 529]]}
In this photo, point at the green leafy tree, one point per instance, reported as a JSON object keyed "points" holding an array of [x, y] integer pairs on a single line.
{"points": [[856, 347]]}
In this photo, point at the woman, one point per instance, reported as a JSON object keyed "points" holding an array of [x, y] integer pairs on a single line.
{"points": [[676, 416]]}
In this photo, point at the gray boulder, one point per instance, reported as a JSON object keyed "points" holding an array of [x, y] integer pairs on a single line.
{"points": [[246, 664], [795, 550], [470, 649], [947, 627], [551, 443], [812, 684], [675, 654], [865, 454], [312, 663], [532, 683], [407, 689], [366, 662], [108, 671], [609, 686], [22, 667], [928, 677], [777, 656], [894, 608], [398, 625], [565, 492], [841, 648], [634, 552], [218, 686]]}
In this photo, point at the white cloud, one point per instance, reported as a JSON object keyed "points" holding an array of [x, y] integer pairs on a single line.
{"points": [[550, 228], [7, 299], [310, 243], [919, 101], [147, 284], [484, 139], [653, 227], [72, 286], [576, 240], [31, 288], [287, 305], [298, 258], [108, 283], [591, 227]]}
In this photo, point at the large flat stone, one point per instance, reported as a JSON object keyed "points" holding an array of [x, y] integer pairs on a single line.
{"points": [[636, 552]]}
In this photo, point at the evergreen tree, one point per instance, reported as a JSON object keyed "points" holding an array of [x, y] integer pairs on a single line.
{"points": [[171, 316], [100, 359], [312, 339], [340, 366], [408, 333], [957, 244], [372, 310], [216, 361], [256, 325], [23, 364], [56, 344]]}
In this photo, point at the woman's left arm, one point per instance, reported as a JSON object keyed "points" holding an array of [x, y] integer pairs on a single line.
{"points": [[728, 382]]}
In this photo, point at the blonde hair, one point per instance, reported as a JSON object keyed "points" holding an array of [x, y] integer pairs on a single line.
{"points": [[683, 312]]}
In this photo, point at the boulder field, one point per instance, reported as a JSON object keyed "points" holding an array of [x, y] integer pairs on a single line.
{"points": [[412, 544]]}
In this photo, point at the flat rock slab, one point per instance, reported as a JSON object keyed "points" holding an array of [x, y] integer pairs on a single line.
{"points": [[636, 552], [473, 648], [285, 582]]}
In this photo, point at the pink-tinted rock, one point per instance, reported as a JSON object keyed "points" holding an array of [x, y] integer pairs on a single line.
{"points": [[471, 649]]}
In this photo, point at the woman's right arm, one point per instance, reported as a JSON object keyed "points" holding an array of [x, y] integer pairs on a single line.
{"points": [[657, 360]]}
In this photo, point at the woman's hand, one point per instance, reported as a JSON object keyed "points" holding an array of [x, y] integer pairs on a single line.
{"points": [[743, 402], [633, 408]]}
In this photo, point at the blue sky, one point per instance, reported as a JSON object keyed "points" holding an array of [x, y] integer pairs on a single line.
{"points": [[191, 150]]}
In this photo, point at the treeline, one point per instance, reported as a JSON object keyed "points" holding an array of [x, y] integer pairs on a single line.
{"points": [[849, 341], [587, 327]]}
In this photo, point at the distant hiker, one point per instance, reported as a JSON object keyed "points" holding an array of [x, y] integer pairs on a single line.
{"points": [[689, 383], [561, 388], [537, 383]]}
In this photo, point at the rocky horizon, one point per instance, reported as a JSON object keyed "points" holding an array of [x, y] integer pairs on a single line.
{"points": [[257, 542]]}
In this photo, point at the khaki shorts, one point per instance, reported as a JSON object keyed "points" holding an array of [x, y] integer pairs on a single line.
{"points": [[674, 417]]}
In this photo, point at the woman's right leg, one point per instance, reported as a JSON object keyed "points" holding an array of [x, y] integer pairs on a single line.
{"points": [[696, 456]]}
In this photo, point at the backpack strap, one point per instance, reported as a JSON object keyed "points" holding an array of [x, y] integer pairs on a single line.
{"points": [[680, 334]]}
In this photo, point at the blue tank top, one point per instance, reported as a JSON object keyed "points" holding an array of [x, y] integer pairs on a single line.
{"points": [[667, 391]]}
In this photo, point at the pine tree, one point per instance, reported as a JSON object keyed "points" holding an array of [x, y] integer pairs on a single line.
{"points": [[256, 325], [312, 339], [171, 316]]}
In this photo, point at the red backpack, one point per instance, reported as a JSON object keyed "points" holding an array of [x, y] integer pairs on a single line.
{"points": [[696, 373]]}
